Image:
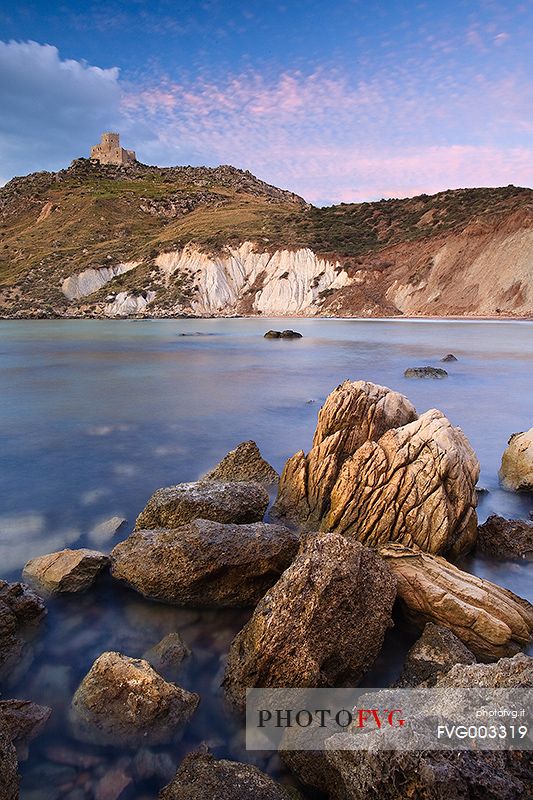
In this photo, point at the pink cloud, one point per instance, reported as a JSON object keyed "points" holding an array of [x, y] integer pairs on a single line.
{"points": [[330, 138]]}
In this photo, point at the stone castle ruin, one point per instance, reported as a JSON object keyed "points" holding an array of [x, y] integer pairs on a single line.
{"points": [[109, 151]]}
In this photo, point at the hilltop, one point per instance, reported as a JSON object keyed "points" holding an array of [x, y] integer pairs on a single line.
{"points": [[119, 240]]}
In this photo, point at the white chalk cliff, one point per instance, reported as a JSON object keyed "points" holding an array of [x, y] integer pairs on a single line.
{"points": [[244, 280], [91, 280]]}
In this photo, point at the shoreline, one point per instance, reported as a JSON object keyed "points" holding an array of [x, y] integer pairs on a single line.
{"points": [[403, 318]]}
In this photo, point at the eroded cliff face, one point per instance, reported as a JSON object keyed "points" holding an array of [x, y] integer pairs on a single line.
{"points": [[247, 281], [486, 269]]}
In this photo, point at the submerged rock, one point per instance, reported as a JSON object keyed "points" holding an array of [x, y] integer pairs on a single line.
{"points": [[436, 652], [355, 412], [516, 471], [449, 357], [425, 372], [202, 777], [122, 701], [322, 624], [65, 571], [20, 611], [244, 463], [105, 530], [492, 621], [168, 654], [233, 502], [415, 485], [205, 563], [505, 538]]}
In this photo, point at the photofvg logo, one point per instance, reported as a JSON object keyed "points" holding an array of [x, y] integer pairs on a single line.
{"points": [[389, 719], [343, 719]]}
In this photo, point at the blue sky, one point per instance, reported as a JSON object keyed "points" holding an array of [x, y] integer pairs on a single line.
{"points": [[341, 101]]}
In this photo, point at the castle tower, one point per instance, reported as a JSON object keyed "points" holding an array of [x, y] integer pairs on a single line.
{"points": [[109, 151]]}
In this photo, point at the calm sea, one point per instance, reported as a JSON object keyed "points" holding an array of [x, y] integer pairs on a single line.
{"points": [[96, 415]]}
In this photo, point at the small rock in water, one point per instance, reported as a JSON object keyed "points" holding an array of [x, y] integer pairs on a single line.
{"points": [[106, 530], [123, 702], [112, 784], [449, 357], [505, 538], [168, 654], [288, 334], [244, 463], [65, 571], [425, 372], [516, 471]]}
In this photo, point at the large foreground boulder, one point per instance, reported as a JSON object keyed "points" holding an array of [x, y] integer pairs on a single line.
{"points": [[237, 502], [244, 463], [66, 571], [432, 655], [355, 412], [516, 471], [205, 563], [492, 621], [379, 473], [202, 777], [20, 612], [415, 485], [122, 701], [322, 624], [505, 538]]}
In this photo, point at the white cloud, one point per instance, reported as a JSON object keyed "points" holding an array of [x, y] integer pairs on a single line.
{"points": [[52, 110]]}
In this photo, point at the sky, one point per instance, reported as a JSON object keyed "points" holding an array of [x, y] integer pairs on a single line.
{"points": [[339, 101]]}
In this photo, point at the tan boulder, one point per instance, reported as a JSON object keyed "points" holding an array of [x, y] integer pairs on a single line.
{"points": [[516, 471], [492, 621], [415, 485], [65, 571], [355, 412], [123, 701], [322, 624]]}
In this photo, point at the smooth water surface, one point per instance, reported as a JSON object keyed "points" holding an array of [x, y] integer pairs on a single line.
{"points": [[96, 415]]}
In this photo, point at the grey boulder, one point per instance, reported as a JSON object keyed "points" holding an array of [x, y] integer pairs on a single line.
{"points": [[237, 502], [205, 563]]}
